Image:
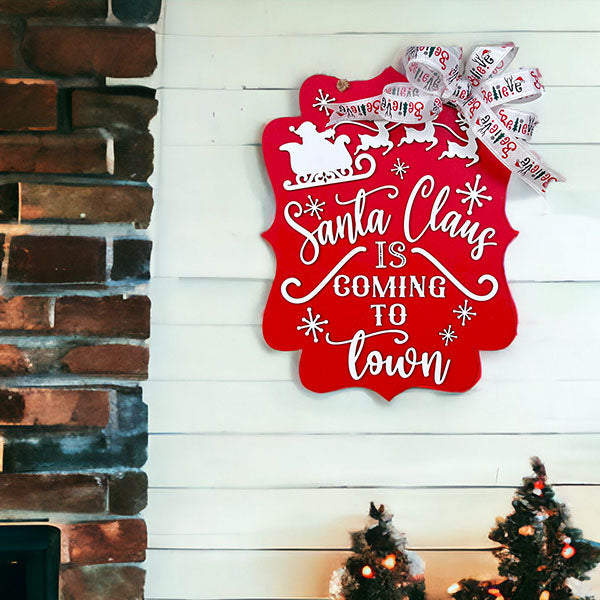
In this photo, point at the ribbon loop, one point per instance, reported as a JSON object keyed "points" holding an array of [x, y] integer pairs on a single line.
{"points": [[432, 68], [403, 103], [480, 94], [488, 61], [519, 122], [523, 85]]}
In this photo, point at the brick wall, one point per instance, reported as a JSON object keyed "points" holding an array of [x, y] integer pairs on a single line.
{"points": [[75, 157]]}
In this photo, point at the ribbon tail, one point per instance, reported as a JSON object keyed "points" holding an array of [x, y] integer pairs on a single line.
{"points": [[507, 147]]}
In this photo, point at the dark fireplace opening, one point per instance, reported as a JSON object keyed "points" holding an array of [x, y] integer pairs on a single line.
{"points": [[29, 562]]}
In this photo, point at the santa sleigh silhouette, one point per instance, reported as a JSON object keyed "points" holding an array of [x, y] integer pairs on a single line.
{"points": [[317, 161]]}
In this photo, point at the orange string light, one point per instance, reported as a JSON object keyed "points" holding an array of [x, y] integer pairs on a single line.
{"points": [[568, 551], [526, 530], [367, 572]]}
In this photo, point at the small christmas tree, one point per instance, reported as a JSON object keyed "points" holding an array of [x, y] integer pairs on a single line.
{"points": [[539, 549], [379, 568], [473, 589]]}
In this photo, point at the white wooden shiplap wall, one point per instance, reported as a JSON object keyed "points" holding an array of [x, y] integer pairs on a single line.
{"points": [[256, 482]]}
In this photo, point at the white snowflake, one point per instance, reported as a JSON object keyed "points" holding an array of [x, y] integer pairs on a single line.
{"points": [[312, 325], [474, 194], [314, 207], [322, 102], [399, 168], [448, 335], [464, 312]]}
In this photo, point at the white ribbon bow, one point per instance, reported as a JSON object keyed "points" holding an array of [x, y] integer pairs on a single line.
{"points": [[480, 93]]}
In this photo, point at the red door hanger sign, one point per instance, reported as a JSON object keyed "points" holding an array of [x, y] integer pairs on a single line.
{"points": [[390, 242]]}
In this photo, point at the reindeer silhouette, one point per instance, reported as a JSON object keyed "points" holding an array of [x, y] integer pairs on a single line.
{"points": [[379, 140], [427, 134], [467, 151]]}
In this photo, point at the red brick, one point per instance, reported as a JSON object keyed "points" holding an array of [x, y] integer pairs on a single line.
{"points": [[13, 361], [114, 316], [83, 152], [131, 259], [24, 313], [12, 407], [109, 359], [102, 582], [127, 492], [8, 45], [102, 542], [55, 8], [9, 202], [86, 204], [91, 51], [137, 11], [102, 109], [134, 155], [74, 493], [37, 406], [56, 259], [27, 104]]}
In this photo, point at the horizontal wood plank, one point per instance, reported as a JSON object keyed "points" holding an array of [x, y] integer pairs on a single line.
{"points": [[239, 353], [322, 518], [285, 61], [206, 575], [242, 461], [273, 17], [549, 315], [238, 117], [227, 202], [559, 341], [286, 407], [569, 307]]}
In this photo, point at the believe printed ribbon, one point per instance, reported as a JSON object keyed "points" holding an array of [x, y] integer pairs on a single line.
{"points": [[481, 94]]}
